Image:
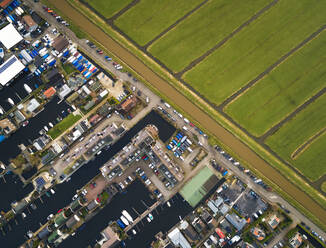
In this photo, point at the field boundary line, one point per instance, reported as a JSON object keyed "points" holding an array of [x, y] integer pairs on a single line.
{"points": [[289, 117], [122, 11], [304, 146], [271, 68], [168, 29], [222, 42]]}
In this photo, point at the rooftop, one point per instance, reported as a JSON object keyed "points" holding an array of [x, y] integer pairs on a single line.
{"points": [[9, 36]]}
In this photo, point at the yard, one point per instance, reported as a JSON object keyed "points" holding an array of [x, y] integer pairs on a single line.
{"points": [[203, 30], [282, 90], [149, 18], [294, 134], [107, 8], [255, 48], [63, 125]]}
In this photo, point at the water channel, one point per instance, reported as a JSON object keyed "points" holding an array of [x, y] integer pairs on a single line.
{"points": [[13, 234]]}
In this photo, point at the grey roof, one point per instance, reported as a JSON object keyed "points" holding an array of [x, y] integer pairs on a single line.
{"points": [[44, 233], [236, 221]]}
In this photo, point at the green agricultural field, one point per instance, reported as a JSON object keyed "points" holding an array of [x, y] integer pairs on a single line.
{"points": [[255, 48], [149, 18], [62, 126], [295, 133], [203, 30], [282, 90], [107, 8]]}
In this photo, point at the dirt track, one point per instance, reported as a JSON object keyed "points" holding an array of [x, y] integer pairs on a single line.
{"points": [[206, 121]]}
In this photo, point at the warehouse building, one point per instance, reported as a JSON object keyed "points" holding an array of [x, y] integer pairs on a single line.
{"points": [[9, 36], [10, 69]]}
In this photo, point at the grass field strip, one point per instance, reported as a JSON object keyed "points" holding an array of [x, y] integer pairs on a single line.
{"points": [[289, 88], [221, 43], [202, 31], [175, 24], [152, 18], [254, 49], [291, 115], [294, 133]]}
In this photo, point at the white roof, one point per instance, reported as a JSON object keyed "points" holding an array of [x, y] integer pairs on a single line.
{"points": [[9, 36], [9, 69], [178, 239]]}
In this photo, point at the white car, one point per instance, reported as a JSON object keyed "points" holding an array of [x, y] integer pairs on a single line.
{"points": [[52, 191]]}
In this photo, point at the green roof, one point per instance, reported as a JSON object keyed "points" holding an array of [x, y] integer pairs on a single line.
{"points": [[194, 191]]}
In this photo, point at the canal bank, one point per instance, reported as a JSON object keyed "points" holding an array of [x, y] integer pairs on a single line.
{"points": [[25, 135], [13, 234], [206, 121]]}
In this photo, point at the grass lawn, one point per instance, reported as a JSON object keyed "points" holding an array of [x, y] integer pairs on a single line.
{"points": [[68, 68], [323, 187], [283, 90], [202, 30], [296, 132], [151, 17], [108, 8], [255, 48], [63, 125]]}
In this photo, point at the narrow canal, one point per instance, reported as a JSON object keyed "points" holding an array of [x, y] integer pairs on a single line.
{"points": [[13, 234], [25, 135]]}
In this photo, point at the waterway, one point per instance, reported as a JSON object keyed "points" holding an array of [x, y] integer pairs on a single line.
{"points": [[25, 135], [16, 91], [136, 198], [13, 234], [189, 107]]}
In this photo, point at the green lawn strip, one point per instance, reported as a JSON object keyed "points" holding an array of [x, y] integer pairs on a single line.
{"points": [[62, 126], [151, 17], [255, 48], [68, 68], [282, 90], [202, 30], [323, 186], [269, 158], [108, 8], [296, 132]]}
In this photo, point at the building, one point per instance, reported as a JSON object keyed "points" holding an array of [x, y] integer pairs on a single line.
{"points": [[49, 92], [258, 233], [110, 238], [7, 126], [189, 231], [19, 116], [54, 236], [236, 221], [10, 69], [273, 221], [92, 205], [60, 43], [178, 239], [44, 232], [128, 104], [72, 221], [30, 24], [32, 105], [9, 36], [5, 3], [296, 240]]}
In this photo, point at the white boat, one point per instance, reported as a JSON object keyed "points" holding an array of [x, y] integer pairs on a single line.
{"points": [[1, 110], [11, 101], [127, 215], [46, 128], [50, 124], [124, 220], [169, 204], [27, 88]]}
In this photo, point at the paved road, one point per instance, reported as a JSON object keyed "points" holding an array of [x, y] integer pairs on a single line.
{"points": [[227, 138]]}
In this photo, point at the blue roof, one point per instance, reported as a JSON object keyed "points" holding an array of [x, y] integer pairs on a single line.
{"points": [[40, 182]]}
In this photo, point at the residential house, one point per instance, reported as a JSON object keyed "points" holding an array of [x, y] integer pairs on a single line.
{"points": [[296, 240]]}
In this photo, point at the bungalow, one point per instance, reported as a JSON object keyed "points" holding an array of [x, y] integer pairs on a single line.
{"points": [[274, 221], [258, 233], [296, 240]]}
